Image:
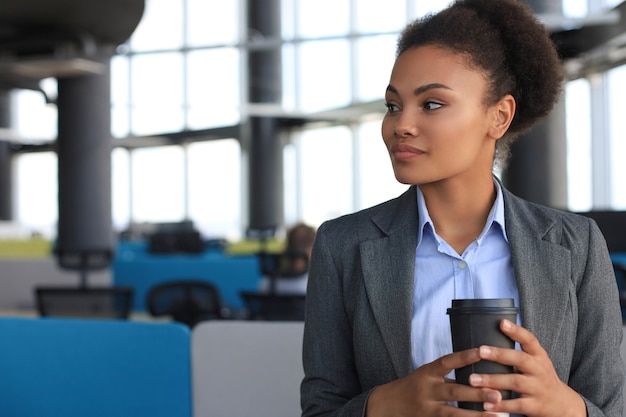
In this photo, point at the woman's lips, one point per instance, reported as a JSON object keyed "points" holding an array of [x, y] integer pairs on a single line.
{"points": [[402, 151]]}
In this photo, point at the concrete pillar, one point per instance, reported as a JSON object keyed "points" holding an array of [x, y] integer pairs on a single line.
{"points": [[537, 170], [265, 202], [6, 156], [85, 231]]}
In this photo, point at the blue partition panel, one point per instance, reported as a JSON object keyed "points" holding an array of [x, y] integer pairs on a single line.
{"points": [[95, 368], [133, 266]]}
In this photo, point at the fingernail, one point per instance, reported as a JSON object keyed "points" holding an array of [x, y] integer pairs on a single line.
{"points": [[488, 406], [485, 351], [493, 397], [507, 325], [475, 379]]}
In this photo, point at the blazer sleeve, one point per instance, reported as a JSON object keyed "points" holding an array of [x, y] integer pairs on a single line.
{"points": [[330, 386], [599, 334]]}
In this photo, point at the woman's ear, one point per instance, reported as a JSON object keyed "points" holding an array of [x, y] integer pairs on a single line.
{"points": [[503, 113]]}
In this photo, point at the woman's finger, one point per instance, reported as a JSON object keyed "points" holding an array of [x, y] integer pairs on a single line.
{"points": [[447, 363], [528, 342]]}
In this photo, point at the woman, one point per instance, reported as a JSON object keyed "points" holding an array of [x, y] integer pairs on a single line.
{"points": [[466, 82]]}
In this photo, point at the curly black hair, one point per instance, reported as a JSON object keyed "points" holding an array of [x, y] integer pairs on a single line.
{"points": [[505, 40]]}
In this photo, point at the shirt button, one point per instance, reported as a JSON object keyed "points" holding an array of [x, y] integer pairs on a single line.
{"points": [[462, 264]]}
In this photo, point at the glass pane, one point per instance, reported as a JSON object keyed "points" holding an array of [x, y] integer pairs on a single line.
{"points": [[288, 19], [119, 80], [120, 96], [160, 28], [323, 18], [120, 188], [30, 106], [212, 23], [157, 119], [609, 4], [158, 184], [213, 88], [376, 56], [617, 134], [578, 131], [380, 16], [326, 174], [120, 121], [580, 8], [214, 183], [36, 192], [157, 93], [431, 6], [376, 181], [574, 8], [289, 79], [324, 86]]}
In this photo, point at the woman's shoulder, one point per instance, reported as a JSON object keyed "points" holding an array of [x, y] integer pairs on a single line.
{"points": [[524, 207], [561, 224]]}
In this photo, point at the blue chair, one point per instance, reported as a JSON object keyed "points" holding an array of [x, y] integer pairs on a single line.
{"points": [[188, 301], [97, 368]]}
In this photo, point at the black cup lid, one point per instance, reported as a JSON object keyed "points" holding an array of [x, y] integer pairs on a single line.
{"points": [[483, 305]]}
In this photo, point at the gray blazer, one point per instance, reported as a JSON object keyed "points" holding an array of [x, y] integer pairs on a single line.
{"points": [[360, 294]]}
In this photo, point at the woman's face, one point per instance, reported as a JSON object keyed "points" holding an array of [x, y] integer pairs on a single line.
{"points": [[437, 125]]}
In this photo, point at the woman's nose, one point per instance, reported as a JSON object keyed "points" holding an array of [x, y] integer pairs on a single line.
{"points": [[406, 125]]}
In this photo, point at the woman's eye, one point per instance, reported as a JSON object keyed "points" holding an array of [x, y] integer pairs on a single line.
{"points": [[431, 105], [391, 107]]}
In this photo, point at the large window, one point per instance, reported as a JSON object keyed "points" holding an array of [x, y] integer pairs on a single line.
{"points": [[184, 69], [199, 182]]}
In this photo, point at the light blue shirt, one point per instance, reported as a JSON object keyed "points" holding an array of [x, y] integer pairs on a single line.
{"points": [[484, 270]]}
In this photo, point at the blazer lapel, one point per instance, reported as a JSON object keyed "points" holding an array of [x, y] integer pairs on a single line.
{"points": [[388, 264], [540, 265]]}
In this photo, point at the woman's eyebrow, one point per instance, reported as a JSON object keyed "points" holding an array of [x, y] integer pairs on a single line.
{"points": [[422, 89]]}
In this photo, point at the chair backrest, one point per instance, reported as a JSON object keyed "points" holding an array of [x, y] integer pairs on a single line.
{"points": [[97, 368], [283, 264], [84, 302], [245, 368], [186, 301], [274, 307]]}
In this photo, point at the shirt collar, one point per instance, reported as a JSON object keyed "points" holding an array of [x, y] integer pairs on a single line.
{"points": [[496, 215]]}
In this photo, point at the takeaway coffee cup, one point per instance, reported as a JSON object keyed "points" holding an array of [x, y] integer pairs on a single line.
{"points": [[475, 322]]}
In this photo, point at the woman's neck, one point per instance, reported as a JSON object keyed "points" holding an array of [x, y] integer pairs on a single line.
{"points": [[459, 211]]}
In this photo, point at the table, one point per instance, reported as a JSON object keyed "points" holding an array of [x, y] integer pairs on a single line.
{"points": [[133, 266]]}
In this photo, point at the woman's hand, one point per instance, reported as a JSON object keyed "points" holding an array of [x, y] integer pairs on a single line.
{"points": [[541, 392], [426, 391]]}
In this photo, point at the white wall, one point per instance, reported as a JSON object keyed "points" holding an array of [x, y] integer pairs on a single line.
{"points": [[19, 277]]}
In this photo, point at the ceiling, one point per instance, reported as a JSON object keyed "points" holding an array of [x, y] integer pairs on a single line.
{"points": [[593, 44], [58, 38]]}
